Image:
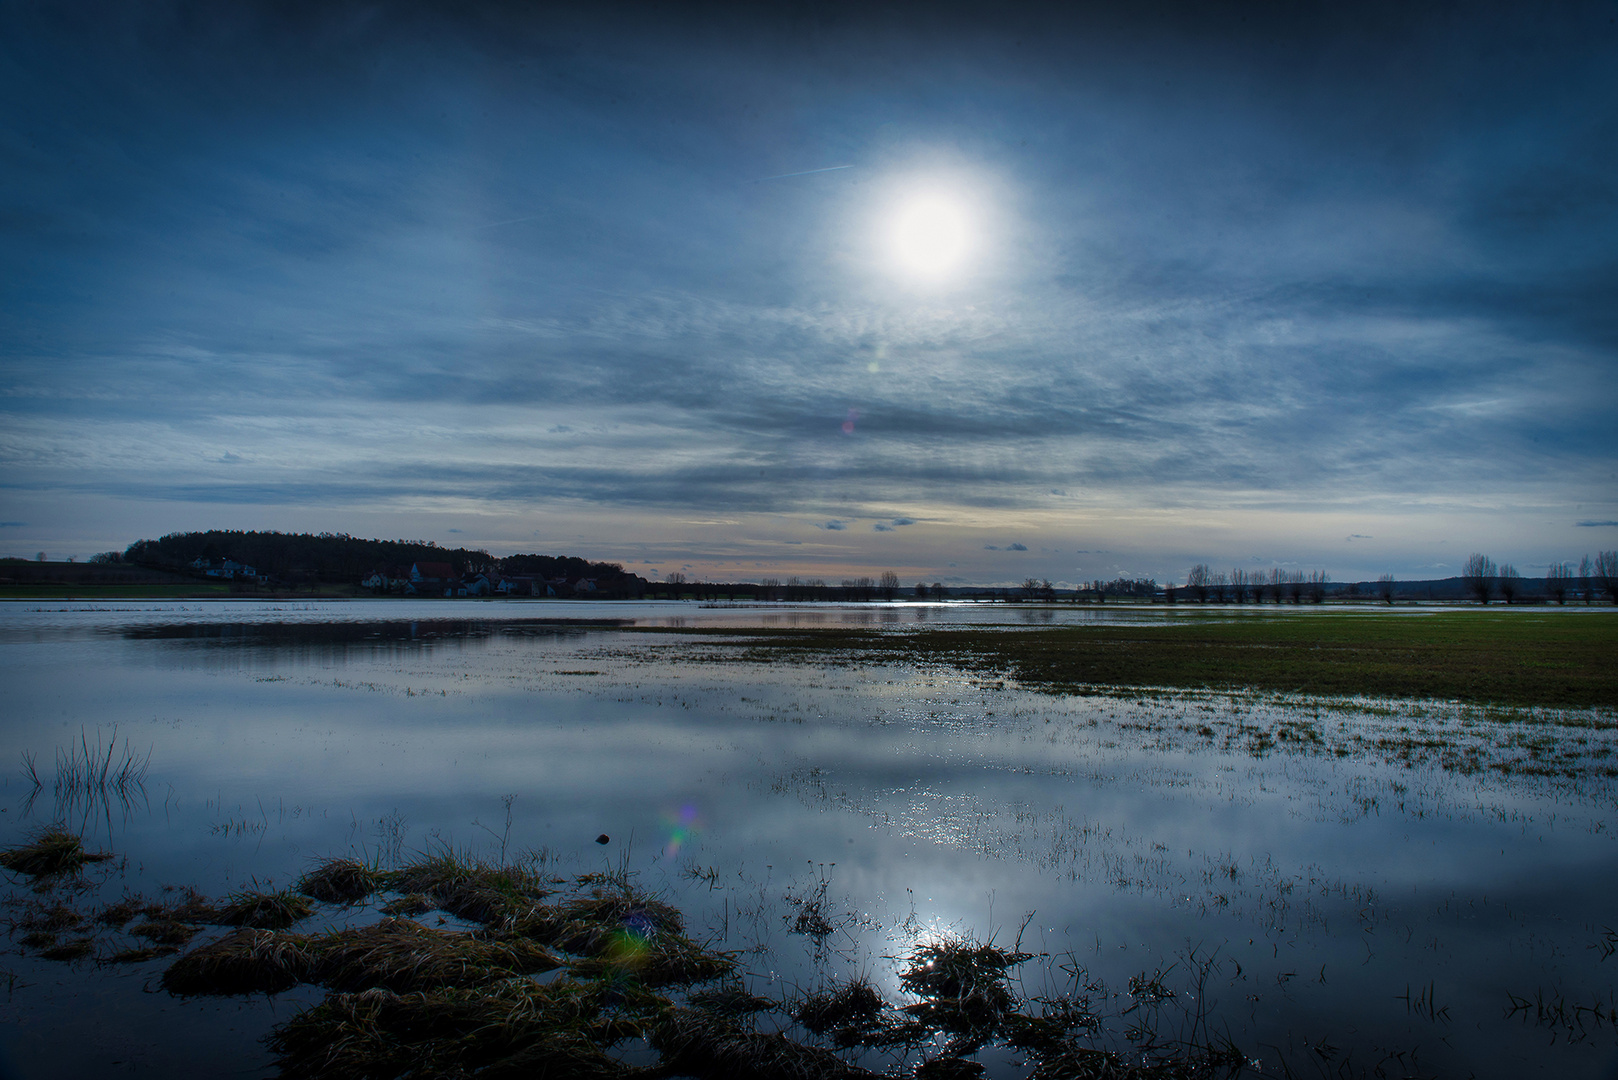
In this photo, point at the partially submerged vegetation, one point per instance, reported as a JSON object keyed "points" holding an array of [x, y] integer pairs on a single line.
{"points": [[585, 978], [1481, 657], [51, 853]]}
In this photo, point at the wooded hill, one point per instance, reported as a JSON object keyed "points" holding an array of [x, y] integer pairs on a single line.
{"points": [[338, 557]]}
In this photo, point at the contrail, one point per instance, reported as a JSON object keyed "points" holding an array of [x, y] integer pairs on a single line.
{"points": [[806, 172]]}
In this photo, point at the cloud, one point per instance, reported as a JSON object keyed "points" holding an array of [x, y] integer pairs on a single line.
{"points": [[13, 524], [327, 300], [453, 530], [991, 547], [834, 525], [1016, 547], [1598, 524], [881, 527], [1358, 536]]}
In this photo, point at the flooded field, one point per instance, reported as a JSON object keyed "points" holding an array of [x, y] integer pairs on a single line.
{"points": [[1333, 886]]}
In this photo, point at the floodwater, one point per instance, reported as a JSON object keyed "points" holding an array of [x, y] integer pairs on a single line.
{"points": [[1320, 880]]}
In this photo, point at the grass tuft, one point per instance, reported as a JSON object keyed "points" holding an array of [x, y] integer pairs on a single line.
{"points": [[248, 961], [165, 931], [340, 881], [265, 911], [403, 956], [51, 853], [72, 949], [850, 1005]]}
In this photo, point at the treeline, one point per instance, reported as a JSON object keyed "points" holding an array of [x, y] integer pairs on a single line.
{"points": [[1481, 578], [1204, 583], [1485, 579], [338, 557]]}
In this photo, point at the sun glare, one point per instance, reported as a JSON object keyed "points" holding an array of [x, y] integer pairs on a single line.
{"points": [[931, 236]]}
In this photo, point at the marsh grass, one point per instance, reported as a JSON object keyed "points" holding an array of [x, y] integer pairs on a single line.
{"points": [[340, 881], [53, 852], [247, 961], [854, 1004], [536, 980], [404, 956], [164, 931], [85, 767], [267, 911], [73, 949]]}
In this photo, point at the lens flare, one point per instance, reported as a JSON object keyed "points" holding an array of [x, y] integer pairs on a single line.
{"points": [[681, 826]]}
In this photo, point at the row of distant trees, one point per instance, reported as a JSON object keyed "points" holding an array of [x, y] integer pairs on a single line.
{"points": [[1239, 585], [886, 586], [1485, 580]]}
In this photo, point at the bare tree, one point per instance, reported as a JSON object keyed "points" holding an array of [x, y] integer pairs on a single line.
{"points": [[1294, 585], [1238, 584], [1509, 582], [1478, 573], [1384, 588], [1558, 576], [1585, 570], [938, 590], [1607, 573], [1199, 579], [1318, 580]]}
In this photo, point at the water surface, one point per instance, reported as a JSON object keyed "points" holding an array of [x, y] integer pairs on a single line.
{"points": [[1349, 908]]}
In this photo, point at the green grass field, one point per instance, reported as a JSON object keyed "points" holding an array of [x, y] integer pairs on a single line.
{"points": [[1550, 658]]}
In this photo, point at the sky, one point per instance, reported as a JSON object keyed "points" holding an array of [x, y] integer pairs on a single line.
{"points": [[974, 294]]}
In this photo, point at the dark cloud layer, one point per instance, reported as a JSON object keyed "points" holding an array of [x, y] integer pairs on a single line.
{"points": [[318, 256]]}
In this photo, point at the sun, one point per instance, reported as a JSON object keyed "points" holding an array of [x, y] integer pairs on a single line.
{"points": [[931, 236]]}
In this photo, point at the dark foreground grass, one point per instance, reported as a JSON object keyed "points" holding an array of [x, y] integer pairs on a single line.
{"points": [[1565, 659], [593, 979]]}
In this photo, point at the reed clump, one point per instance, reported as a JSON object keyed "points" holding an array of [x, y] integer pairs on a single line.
{"points": [[164, 931], [963, 987], [72, 949], [403, 956], [247, 961], [340, 881], [264, 911], [849, 1005], [53, 852]]}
